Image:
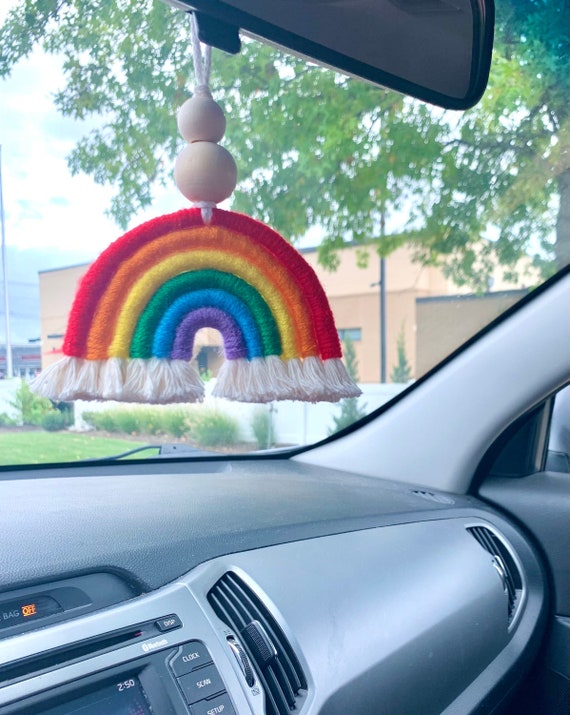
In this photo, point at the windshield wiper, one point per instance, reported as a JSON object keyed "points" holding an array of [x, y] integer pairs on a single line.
{"points": [[183, 451], [162, 450]]}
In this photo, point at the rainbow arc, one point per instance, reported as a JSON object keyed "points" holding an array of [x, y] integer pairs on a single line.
{"points": [[132, 326]]}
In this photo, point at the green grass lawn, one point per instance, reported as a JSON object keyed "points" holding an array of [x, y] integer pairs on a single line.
{"points": [[41, 447]]}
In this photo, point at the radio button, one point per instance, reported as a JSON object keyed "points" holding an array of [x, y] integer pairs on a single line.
{"points": [[168, 623], [201, 684], [220, 705], [193, 655]]}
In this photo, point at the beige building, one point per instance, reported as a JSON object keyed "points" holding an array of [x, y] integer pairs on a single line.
{"points": [[434, 315]]}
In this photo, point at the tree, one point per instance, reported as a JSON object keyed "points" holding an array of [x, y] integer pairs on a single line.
{"points": [[30, 408], [350, 410], [317, 149], [507, 162], [263, 427], [402, 372]]}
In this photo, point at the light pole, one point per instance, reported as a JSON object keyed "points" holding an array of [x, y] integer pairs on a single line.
{"points": [[382, 299], [9, 367], [382, 312], [382, 320]]}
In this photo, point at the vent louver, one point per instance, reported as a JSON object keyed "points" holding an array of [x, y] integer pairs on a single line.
{"points": [[277, 666], [503, 562]]}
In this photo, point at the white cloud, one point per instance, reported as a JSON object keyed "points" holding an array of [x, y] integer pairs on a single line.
{"points": [[51, 218], [44, 205]]}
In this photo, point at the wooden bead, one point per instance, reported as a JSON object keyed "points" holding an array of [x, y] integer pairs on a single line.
{"points": [[205, 172], [200, 119]]}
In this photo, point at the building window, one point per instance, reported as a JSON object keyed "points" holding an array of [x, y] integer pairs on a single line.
{"points": [[350, 334]]}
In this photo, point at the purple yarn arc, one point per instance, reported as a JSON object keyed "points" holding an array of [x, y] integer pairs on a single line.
{"points": [[183, 346]]}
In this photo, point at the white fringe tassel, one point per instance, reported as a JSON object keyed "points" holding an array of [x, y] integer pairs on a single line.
{"points": [[268, 379], [165, 381], [149, 381], [256, 380], [327, 380]]}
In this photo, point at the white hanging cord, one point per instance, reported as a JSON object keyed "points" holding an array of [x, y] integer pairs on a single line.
{"points": [[202, 69], [206, 207], [202, 61]]}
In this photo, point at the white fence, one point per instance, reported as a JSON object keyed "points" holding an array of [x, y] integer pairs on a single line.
{"points": [[293, 422], [7, 393], [305, 423]]}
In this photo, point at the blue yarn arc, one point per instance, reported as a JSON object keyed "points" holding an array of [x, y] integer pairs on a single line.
{"points": [[207, 298]]}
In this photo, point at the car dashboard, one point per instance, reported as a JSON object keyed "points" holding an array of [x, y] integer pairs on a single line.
{"points": [[257, 586]]}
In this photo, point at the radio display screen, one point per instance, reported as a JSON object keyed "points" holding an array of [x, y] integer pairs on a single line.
{"points": [[123, 698]]}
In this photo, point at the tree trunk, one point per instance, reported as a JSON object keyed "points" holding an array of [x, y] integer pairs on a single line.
{"points": [[562, 245]]}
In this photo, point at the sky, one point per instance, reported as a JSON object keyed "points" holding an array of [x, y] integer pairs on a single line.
{"points": [[42, 203], [51, 219]]}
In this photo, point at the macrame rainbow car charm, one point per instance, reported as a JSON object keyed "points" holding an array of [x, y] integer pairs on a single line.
{"points": [[132, 326]]}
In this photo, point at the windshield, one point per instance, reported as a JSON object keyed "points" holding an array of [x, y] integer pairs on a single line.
{"points": [[422, 225]]}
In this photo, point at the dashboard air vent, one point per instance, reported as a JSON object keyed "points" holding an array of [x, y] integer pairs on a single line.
{"points": [[503, 562], [432, 496], [277, 666]]}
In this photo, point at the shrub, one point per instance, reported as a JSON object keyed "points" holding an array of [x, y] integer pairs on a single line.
{"points": [[6, 420], [350, 412], [150, 420], [140, 420], [402, 371], [30, 407], [136, 419], [212, 428], [209, 428], [126, 421], [104, 420], [67, 410], [263, 428], [54, 421], [174, 422]]}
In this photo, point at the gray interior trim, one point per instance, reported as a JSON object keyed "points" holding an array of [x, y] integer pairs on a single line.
{"points": [[540, 501], [437, 434]]}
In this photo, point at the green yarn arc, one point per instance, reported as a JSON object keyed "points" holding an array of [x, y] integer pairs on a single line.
{"points": [[149, 319]]}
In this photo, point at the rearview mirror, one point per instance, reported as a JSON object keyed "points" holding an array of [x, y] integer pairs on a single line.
{"points": [[436, 50]]}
